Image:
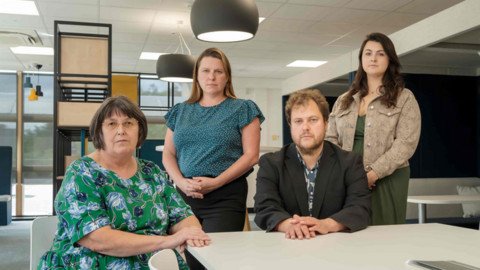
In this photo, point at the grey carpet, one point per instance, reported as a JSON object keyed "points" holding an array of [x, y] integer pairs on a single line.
{"points": [[15, 245]]}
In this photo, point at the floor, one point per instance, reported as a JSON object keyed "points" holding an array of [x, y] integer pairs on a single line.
{"points": [[15, 245]]}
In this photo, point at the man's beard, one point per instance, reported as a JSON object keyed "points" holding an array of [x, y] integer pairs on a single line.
{"points": [[310, 150]]}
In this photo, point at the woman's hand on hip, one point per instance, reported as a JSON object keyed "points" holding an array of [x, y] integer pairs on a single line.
{"points": [[190, 188], [372, 179], [206, 184], [193, 236]]}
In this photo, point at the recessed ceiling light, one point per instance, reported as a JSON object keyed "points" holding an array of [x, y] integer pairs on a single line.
{"points": [[8, 71], [18, 7], [304, 63], [260, 19], [150, 55], [32, 50]]}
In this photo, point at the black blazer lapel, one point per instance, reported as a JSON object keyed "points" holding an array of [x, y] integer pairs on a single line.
{"points": [[327, 162], [297, 177]]}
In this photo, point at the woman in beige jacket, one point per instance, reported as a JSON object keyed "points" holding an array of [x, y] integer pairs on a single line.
{"points": [[379, 119]]}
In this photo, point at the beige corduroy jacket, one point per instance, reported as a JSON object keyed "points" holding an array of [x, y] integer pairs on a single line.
{"points": [[391, 134]]}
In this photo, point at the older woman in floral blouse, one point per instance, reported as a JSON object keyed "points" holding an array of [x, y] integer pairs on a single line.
{"points": [[116, 210]]}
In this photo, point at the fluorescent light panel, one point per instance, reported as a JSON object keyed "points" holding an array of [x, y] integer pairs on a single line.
{"points": [[18, 7], [32, 50], [305, 63], [150, 55], [260, 20]]}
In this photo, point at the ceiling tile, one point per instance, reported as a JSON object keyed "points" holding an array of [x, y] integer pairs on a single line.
{"points": [[123, 61], [49, 9], [272, 62], [282, 25], [337, 50], [263, 68], [167, 40], [147, 4], [330, 28], [145, 69], [123, 68], [241, 60], [245, 53], [400, 19], [292, 56], [129, 47], [286, 72], [125, 55], [49, 21], [128, 27], [317, 39], [273, 36], [326, 3], [169, 17], [168, 29], [126, 14], [302, 12], [305, 48], [427, 6], [257, 45], [175, 5], [129, 38], [354, 16], [353, 41], [251, 74], [20, 21], [381, 5], [158, 48], [266, 9], [368, 29]]}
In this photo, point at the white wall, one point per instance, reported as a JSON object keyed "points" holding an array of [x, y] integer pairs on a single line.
{"points": [[267, 94]]}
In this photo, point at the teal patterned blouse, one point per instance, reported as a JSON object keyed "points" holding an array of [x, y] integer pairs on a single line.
{"points": [[209, 139], [92, 197]]}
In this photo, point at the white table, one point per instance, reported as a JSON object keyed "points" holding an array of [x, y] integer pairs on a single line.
{"points": [[377, 247], [442, 199], [159, 148]]}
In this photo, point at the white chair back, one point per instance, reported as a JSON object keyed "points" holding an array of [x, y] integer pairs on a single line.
{"points": [[41, 238], [164, 260]]}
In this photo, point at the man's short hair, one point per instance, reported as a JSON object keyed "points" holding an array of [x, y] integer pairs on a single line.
{"points": [[301, 98], [117, 105]]}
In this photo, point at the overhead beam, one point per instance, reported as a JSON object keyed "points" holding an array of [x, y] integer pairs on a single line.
{"points": [[451, 22]]}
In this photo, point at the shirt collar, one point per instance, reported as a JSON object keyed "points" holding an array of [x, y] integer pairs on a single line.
{"points": [[303, 162]]}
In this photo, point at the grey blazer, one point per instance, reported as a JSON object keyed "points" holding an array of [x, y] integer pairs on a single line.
{"points": [[341, 188]]}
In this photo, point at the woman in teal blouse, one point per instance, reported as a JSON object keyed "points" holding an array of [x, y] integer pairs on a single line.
{"points": [[212, 143], [115, 210]]}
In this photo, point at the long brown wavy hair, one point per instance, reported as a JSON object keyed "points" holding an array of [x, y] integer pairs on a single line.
{"points": [[392, 81], [197, 92]]}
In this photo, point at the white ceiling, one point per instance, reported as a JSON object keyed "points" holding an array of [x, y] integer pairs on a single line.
{"points": [[318, 30]]}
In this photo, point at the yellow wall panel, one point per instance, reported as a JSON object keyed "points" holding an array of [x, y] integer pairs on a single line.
{"points": [[125, 85]]}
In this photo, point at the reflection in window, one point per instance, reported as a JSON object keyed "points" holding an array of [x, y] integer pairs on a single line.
{"points": [[8, 121]]}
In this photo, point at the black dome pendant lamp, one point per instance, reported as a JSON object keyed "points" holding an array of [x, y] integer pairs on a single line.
{"points": [[176, 67], [224, 20]]}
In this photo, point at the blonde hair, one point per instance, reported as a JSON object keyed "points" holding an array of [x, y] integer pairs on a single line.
{"points": [[197, 92]]}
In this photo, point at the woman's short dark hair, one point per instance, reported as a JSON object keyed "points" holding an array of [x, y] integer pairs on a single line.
{"points": [[117, 105]]}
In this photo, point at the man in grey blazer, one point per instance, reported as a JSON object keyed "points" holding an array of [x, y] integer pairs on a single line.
{"points": [[311, 186]]}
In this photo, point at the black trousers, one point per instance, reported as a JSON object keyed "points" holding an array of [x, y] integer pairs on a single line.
{"points": [[222, 210]]}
